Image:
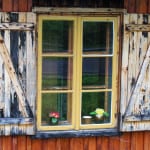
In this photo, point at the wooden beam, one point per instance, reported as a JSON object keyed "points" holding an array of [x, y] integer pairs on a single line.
{"points": [[17, 26], [56, 10], [11, 71], [6, 121], [137, 27], [129, 116]]}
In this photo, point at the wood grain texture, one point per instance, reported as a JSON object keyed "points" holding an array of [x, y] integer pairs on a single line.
{"points": [[141, 6], [15, 5], [127, 141], [134, 51], [23, 5], [7, 5]]}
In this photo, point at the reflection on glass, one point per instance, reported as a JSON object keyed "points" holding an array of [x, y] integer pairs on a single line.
{"points": [[98, 37], [91, 102], [56, 105], [57, 36], [56, 73], [97, 73]]}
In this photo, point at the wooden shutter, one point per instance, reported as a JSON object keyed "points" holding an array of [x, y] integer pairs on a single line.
{"points": [[135, 74], [17, 73]]}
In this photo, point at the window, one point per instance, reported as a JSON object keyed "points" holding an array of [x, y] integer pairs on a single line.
{"points": [[77, 72]]}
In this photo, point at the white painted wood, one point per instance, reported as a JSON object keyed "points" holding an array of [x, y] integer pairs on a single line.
{"points": [[124, 70], [136, 51], [17, 26], [137, 88], [137, 27], [10, 69]]}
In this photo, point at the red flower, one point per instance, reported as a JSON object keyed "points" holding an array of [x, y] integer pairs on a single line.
{"points": [[54, 114]]}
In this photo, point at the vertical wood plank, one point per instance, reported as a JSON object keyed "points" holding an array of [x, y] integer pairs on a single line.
{"points": [[141, 6], [76, 144], [28, 143], [51, 144], [86, 143], [7, 5], [125, 141], [148, 9], [99, 143], [146, 140], [92, 143], [36, 144], [29, 8], [105, 143], [114, 143], [23, 5], [15, 5], [131, 6], [137, 141], [126, 4], [124, 72], [14, 143], [45, 144], [21, 143], [132, 57], [7, 143], [64, 144]]}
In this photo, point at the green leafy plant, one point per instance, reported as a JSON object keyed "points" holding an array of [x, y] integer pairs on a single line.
{"points": [[54, 116], [99, 112]]}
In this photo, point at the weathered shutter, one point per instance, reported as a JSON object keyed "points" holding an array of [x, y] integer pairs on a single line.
{"points": [[17, 73], [135, 74]]}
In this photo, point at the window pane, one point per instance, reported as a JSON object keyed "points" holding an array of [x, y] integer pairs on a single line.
{"points": [[91, 102], [59, 104], [98, 37], [57, 36], [97, 73], [56, 73]]}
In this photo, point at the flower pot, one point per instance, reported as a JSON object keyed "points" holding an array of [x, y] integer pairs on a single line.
{"points": [[86, 119], [99, 119], [53, 121]]}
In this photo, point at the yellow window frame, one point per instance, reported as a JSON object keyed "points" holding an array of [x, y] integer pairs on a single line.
{"points": [[77, 72]]}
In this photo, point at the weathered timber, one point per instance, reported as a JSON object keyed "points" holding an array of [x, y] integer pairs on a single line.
{"points": [[135, 45], [138, 27], [9, 66], [133, 97], [73, 133], [7, 121], [17, 26], [55, 10]]}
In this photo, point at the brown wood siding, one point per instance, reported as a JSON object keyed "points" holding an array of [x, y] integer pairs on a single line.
{"points": [[132, 6], [137, 6], [127, 141]]}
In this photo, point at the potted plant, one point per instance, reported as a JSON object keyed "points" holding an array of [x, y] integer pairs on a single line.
{"points": [[54, 118], [99, 114]]}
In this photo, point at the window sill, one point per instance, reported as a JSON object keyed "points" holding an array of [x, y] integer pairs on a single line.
{"points": [[74, 133]]}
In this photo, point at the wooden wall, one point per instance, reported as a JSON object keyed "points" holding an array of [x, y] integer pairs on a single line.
{"points": [[127, 141], [137, 6], [132, 6]]}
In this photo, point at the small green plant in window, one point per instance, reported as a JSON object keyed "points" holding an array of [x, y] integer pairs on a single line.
{"points": [[99, 113], [54, 118]]}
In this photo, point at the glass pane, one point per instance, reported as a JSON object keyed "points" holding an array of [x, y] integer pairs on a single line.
{"points": [[57, 36], [56, 73], [96, 107], [56, 109], [98, 37], [97, 73]]}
